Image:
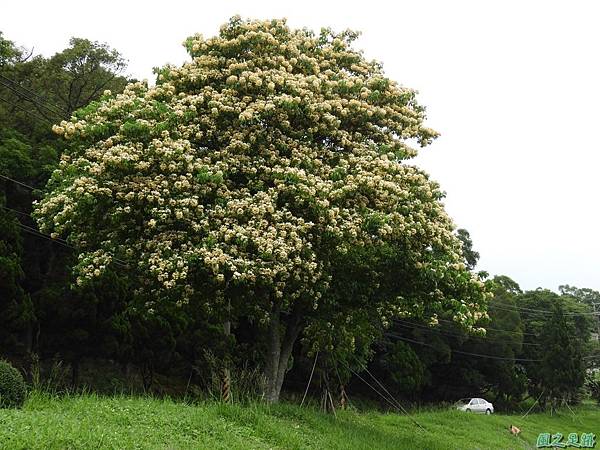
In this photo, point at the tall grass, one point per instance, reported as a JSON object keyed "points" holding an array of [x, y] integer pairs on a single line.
{"points": [[86, 421], [247, 384]]}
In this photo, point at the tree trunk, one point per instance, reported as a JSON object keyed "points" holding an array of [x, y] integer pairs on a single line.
{"points": [[28, 337], [147, 371], [74, 373], [279, 350], [274, 352], [226, 374]]}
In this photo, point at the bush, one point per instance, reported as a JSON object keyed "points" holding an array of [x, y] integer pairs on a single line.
{"points": [[12, 386], [594, 389]]}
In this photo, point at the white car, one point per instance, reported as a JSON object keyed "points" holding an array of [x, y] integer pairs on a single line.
{"points": [[476, 405]]}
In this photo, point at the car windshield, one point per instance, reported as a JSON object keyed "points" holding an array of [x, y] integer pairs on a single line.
{"points": [[463, 401]]}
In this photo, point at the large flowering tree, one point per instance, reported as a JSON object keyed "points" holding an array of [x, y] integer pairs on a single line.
{"points": [[264, 178]]}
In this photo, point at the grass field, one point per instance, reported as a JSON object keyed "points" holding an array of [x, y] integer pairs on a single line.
{"points": [[92, 422]]}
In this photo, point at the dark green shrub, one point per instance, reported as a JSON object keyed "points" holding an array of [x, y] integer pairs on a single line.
{"points": [[593, 386], [12, 386]]}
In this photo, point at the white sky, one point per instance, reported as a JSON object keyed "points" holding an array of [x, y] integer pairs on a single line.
{"points": [[513, 87]]}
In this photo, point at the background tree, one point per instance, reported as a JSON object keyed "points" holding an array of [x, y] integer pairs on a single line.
{"points": [[470, 255], [562, 326], [504, 340], [561, 371], [452, 356], [507, 285], [53, 319], [79, 74], [8, 51], [15, 305], [405, 373], [588, 297]]}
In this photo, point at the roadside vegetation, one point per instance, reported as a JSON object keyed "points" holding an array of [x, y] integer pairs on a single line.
{"points": [[123, 422]]}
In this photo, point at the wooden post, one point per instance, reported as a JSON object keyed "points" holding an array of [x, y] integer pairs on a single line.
{"points": [[226, 380], [343, 397], [226, 386]]}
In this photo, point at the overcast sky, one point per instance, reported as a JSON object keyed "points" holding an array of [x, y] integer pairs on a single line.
{"points": [[512, 86]]}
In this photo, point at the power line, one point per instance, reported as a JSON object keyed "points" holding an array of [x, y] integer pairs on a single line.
{"points": [[29, 99], [58, 108], [310, 379], [343, 390], [43, 236], [31, 113], [534, 403], [26, 96], [18, 182], [493, 329], [14, 210], [391, 396], [395, 405], [544, 312], [372, 387], [62, 242], [39, 232], [426, 328], [58, 240], [479, 355]]}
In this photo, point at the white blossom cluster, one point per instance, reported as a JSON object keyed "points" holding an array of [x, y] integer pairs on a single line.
{"points": [[272, 148]]}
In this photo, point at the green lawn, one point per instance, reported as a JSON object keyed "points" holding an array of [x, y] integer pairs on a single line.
{"points": [[92, 422]]}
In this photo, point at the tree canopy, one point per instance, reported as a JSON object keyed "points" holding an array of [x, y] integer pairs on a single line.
{"points": [[245, 176]]}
